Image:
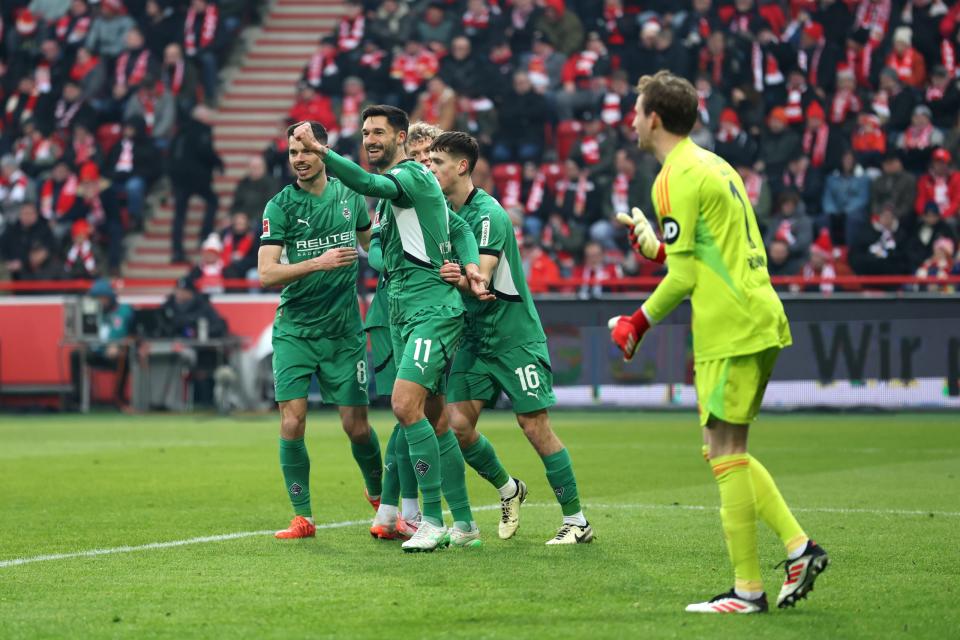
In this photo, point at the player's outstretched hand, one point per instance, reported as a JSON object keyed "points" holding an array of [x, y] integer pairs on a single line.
{"points": [[627, 332], [478, 284], [304, 135], [643, 239], [450, 272], [335, 259]]}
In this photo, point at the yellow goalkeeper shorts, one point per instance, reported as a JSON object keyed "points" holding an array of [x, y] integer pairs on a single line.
{"points": [[731, 389]]}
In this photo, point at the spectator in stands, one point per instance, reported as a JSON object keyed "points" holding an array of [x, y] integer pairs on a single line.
{"points": [[391, 24], [943, 98], [72, 28], [411, 69], [930, 228], [36, 150], [846, 200], [18, 238], [939, 265], [792, 226], [83, 261], [83, 147], [818, 58], [435, 28], [132, 166], [22, 106], [255, 189], [71, 108], [563, 240], [596, 150], [498, 80], [778, 260], [522, 116], [819, 143], [869, 142], [58, 197], [582, 77], [477, 117], [322, 71], [436, 104], [133, 67], [733, 144], [892, 103], [352, 27], [240, 244], [15, 187], [201, 44], [374, 70], [107, 36], [758, 192], [544, 65], [631, 187], [577, 197], [895, 186], [50, 69], [312, 105], [91, 74], [162, 26], [115, 325], [845, 104], [97, 203], [156, 107], [23, 44], [562, 26], [42, 263], [778, 145], [882, 246], [940, 185], [349, 108], [192, 162], [594, 271], [179, 78], [539, 267], [207, 275], [819, 267], [480, 22], [522, 21], [461, 69], [917, 143], [905, 60]]}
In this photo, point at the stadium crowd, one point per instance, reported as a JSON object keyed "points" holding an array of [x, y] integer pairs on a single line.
{"points": [[101, 99], [840, 116]]}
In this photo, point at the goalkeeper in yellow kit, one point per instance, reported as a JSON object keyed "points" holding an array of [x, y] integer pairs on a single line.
{"points": [[714, 253]]}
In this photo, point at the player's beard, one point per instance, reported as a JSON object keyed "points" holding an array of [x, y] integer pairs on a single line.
{"points": [[386, 156]]}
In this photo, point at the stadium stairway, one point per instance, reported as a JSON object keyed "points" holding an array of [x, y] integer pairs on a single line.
{"points": [[256, 94]]}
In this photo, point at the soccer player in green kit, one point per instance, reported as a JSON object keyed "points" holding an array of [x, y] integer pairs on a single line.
{"points": [[426, 314], [308, 244], [504, 349], [714, 253]]}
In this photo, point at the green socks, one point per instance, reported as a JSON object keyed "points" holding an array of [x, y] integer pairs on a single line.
{"points": [[454, 481], [390, 495], [295, 464], [560, 476], [425, 458], [483, 459], [367, 456], [407, 476]]}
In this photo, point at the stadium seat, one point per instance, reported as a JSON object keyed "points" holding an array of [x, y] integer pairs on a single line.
{"points": [[507, 182], [108, 135], [567, 133]]}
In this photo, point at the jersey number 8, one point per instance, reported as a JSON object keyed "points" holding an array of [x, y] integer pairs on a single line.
{"points": [[361, 372]]}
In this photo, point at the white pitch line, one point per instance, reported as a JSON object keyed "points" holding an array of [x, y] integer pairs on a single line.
{"points": [[490, 507]]}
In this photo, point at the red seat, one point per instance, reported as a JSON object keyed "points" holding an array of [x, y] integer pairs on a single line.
{"points": [[507, 182], [552, 172], [108, 135]]}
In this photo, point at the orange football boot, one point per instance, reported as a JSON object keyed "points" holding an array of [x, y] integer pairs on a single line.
{"points": [[299, 527], [374, 502]]}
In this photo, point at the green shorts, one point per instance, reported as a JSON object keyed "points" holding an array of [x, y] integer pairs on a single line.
{"points": [[425, 344], [384, 365], [731, 389], [523, 373], [339, 363]]}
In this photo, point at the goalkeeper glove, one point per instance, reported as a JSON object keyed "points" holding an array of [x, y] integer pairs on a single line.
{"points": [[627, 331], [643, 239]]}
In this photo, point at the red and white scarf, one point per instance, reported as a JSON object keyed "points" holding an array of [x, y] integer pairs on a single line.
{"points": [[933, 93], [590, 150], [65, 112], [56, 201], [810, 63], [321, 65], [794, 106], [125, 159], [620, 196], [125, 79], [26, 105], [948, 57], [79, 71], [766, 69], [233, 250], [535, 197], [941, 192], [413, 70], [903, 64], [713, 65], [72, 29], [350, 32], [827, 274], [579, 196], [175, 72], [372, 59], [610, 111], [473, 22], [148, 100], [815, 145], [211, 278], [96, 215], [208, 29], [84, 150], [611, 16], [754, 184], [537, 71], [917, 137], [872, 16], [14, 188], [350, 114], [844, 104], [81, 254]]}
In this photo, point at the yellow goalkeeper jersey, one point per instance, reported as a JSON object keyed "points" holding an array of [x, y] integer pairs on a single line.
{"points": [[703, 209]]}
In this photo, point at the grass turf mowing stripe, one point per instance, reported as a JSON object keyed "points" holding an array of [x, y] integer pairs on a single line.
{"points": [[349, 523]]}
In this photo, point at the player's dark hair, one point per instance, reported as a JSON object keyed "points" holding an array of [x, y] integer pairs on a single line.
{"points": [[458, 144], [396, 118], [319, 131], [672, 98]]}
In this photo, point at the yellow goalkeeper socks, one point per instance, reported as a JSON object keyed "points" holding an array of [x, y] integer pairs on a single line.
{"points": [[773, 510], [738, 513]]}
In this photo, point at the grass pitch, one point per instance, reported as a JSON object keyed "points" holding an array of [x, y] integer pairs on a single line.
{"points": [[880, 492]]}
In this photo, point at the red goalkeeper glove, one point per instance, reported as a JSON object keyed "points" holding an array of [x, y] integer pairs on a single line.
{"points": [[627, 331]]}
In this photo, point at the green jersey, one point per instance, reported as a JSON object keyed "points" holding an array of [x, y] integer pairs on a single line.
{"points": [[511, 320], [704, 212], [378, 313], [323, 303], [415, 234]]}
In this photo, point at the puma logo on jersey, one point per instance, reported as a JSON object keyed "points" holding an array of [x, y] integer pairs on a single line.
{"points": [[532, 394], [423, 368], [303, 222]]}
